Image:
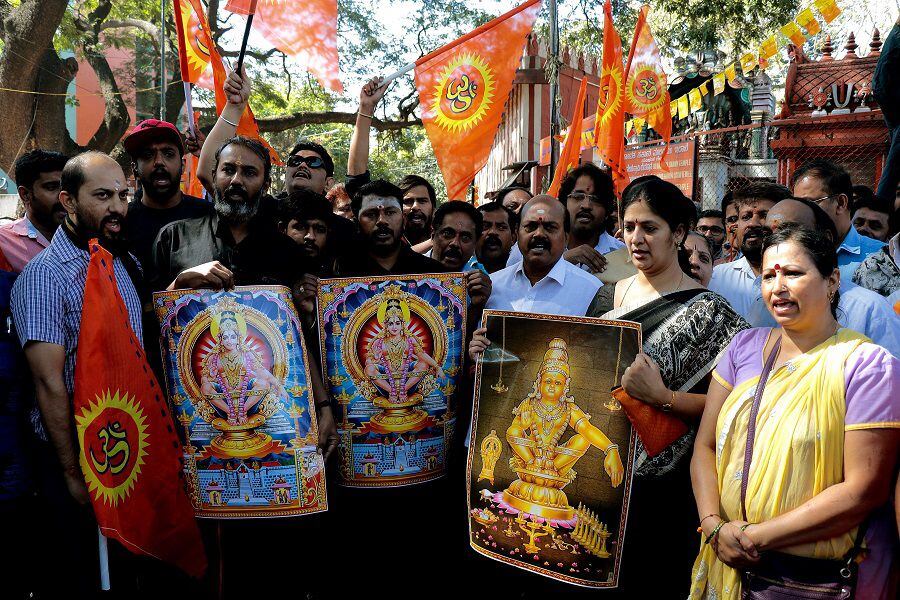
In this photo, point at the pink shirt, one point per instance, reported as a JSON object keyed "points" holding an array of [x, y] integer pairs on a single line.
{"points": [[20, 241]]}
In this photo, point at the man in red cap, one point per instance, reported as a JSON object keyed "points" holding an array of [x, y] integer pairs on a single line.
{"points": [[157, 157]]}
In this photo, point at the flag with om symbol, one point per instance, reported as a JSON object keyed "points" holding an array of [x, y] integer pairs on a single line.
{"points": [[463, 87], [129, 451], [646, 90]]}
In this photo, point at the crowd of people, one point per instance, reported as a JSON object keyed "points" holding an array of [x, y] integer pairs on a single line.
{"points": [[769, 328]]}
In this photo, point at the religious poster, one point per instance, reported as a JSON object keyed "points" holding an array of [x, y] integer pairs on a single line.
{"points": [[392, 351], [237, 379], [549, 468]]}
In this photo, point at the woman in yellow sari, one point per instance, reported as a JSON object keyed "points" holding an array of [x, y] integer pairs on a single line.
{"points": [[826, 439]]}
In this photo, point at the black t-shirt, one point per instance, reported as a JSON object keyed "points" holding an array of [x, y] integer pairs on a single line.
{"points": [[144, 224], [357, 262]]}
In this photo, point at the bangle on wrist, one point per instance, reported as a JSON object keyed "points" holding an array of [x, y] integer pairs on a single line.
{"points": [[227, 121], [700, 527], [610, 448], [715, 532], [667, 406], [362, 114]]}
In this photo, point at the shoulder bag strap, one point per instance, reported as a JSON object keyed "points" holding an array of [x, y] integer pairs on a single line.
{"points": [[751, 425]]}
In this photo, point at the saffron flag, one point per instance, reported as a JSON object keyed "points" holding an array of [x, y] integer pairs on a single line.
{"points": [[769, 48], [129, 452], [828, 9], [307, 32], [646, 91], [718, 83], [197, 52], [463, 88], [571, 150], [609, 124], [793, 32], [807, 21], [730, 72]]}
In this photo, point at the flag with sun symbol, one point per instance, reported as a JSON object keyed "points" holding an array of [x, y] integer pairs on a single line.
{"points": [[129, 451], [463, 88], [609, 128]]}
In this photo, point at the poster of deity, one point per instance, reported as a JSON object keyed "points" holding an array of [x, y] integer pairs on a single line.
{"points": [[392, 350], [237, 379], [543, 409]]}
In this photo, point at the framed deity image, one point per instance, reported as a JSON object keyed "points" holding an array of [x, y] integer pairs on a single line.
{"points": [[237, 378], [392, 352], [551, 451]]}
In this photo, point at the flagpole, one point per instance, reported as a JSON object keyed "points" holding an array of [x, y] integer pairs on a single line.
{"points": [[240, 61], [104, 561], [399, 72], [162, 62], [189, 108], [554, 87]]}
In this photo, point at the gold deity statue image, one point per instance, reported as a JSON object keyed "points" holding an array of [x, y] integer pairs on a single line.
{"points": [[234, 390], [544, 466], [397, 366]]}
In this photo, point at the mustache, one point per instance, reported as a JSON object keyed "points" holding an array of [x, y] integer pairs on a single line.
{"points": [[584, 212], [536, 242], [757, 231], [452, 253], [492, 240], [236, 190]]}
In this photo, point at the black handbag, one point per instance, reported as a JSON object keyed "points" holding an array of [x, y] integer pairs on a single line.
{"points": [[780, 576]]}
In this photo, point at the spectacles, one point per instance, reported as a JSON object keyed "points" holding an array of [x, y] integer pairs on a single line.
{"points": [[580, 196], [704, 229], [313, 162]]}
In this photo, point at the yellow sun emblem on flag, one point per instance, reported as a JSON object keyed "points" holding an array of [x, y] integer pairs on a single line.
{"points": [[611, 86], [645, 89], [465, 91], [112, 434]]}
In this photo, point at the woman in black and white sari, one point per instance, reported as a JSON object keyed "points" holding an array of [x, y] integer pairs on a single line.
{"points": [[685, 330]]}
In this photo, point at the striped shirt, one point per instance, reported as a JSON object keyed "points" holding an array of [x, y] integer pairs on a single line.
{"points": [[48, 295]]}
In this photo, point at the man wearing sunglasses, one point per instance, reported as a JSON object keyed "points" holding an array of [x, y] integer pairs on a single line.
{"points": [[828, 185]]}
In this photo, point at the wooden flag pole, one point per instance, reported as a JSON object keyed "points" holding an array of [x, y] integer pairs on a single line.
{"points": [[189, 109], [240, 61]]}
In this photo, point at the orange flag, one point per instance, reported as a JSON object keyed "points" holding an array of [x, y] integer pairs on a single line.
{"points": [[646, 91], [571, 150], [197, 52], [129, 452], [463, 88], [305, 30], [609, 128]]}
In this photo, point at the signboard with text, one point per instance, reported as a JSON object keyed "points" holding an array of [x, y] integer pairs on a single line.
{"points": [[681, 159]]}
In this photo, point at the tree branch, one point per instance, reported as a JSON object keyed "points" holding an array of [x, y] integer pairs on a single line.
{"points": [[285, 122], [146, 26]]}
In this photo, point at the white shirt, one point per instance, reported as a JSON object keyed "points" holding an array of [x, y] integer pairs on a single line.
{"points": [[736, 282], [565, 290], [605, 244], [858, 309]]}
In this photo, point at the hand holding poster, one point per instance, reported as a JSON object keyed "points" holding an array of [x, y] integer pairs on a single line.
{"points": [[237, 376], [542, 407], [392, 350]]}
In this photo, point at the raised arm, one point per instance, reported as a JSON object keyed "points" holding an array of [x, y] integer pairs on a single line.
{"points": [[358, 159], [237, 93]]}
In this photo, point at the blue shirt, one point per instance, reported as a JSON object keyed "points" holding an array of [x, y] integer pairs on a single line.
{"points": [[736, 282], [858, 309], [853, 250], [48, 296]]}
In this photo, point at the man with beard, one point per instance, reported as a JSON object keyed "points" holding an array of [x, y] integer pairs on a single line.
{"points": [[736, 280], [457, 227], [37, 175], [498, 234], [858, 309], [711, 225], [542, 281], [306, 218], [730, 247], [157, 159], [232, 245], [871, 214], [828, 185], [46, 305], [378, 209], [419, 203]]}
